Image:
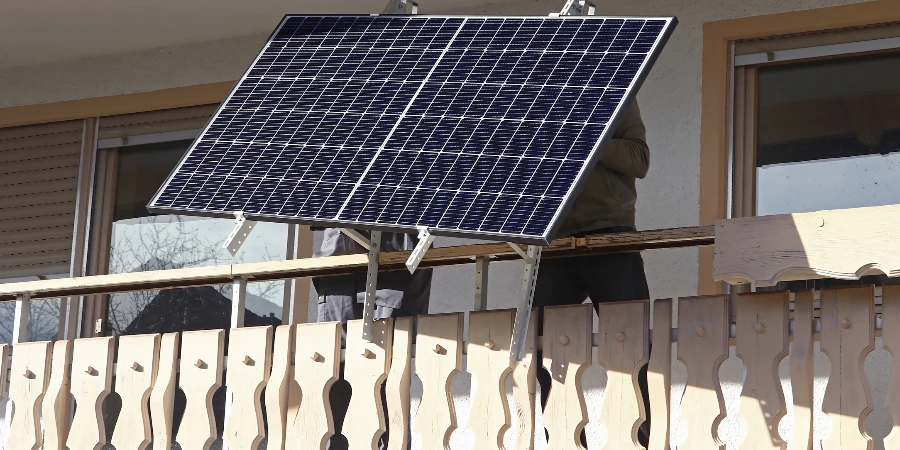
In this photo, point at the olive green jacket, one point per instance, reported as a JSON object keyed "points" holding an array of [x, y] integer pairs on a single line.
{"points": [[608, 196]]}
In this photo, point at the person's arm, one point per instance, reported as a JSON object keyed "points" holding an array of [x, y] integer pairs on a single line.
{"points": [[627, 151]]}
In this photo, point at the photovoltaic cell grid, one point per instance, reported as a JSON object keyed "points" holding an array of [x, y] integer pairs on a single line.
{"points": [[473, 126]]}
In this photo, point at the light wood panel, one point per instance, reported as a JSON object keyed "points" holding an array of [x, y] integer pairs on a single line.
{"points": [[277, 387], [366, 366], [92, 369], [200, 375], [524, 389], [702, 347], [27, 383], [802, 371], [762, 342], [890, 325], [623, 348], [659, 374], [249, 361], [316, 365], [162, 396], [848, 335], [135, 374], [438, 361], [567, 354], [397, 384], [55, 405], [490, 333]]}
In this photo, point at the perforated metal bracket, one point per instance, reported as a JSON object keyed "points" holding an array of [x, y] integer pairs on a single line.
{"points": [[523, 312], [371, 287], [578, 8], [239, 233], [399, 7], [356, 236], [522, 253], [425, 240]]}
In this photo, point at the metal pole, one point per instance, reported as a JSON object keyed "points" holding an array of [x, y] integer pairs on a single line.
{"points": [[481, 282], [523, 312], [371, 286]]}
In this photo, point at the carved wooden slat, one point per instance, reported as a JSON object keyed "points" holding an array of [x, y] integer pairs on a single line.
{"points": [[567, 354], [659, 373], [92, 368], [890, 326], [524, 390], [397, 384], [366, 366], [277, 387], [55, 406], [249, 360], [200, 376], [623, 348], [702, 347], [848, 335], [490, 333], [762, 342], [802, 371], [135, 374], [162, 396], [316, 365], [27, 383], [438, 360]]}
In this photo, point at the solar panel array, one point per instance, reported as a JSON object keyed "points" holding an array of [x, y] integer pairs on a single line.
{"points": [[467, 126]]}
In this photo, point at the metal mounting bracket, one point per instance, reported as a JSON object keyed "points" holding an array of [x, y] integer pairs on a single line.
{"points": [[578, 8], [371, 287], [239, 233], [356, 236], [425, 240], [399, 7], [523, 312], [528, 259]]}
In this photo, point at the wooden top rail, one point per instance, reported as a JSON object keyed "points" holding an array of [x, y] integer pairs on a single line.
{"points": [[350, 264]]}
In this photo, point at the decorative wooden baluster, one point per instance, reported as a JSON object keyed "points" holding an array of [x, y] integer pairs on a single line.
{"points": [[249, 360], [55, 406], [92, 364], [277, 387], [623, 348], [135, 374], [438, 360], [524, 389], [659, 374], [366, 366], [802, 371], [567, 354], [27, 383], [702, 347], [162, 396], [397, 384], [848, 335], [316, 367], [762, 342], [490, 333], [200, 376]]}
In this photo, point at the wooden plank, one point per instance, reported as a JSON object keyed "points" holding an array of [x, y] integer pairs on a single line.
{"points": [[524, 389], [623, 348], [366, 367], [702, 347], [92, 369], [659, 374], [397, 384], [762, 342], [4, 368], [162, 396], [199, 378], [438, 360], [567, 354], [848, 335], [27, 383], [249, 360], [802, 371], [316, 366], [277, 387], [135, 373], [490, 333], [844, 244]]}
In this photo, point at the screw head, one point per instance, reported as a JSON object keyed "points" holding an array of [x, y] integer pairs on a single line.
{"points": [[701, 331], [564, 340], [759, 328], [845, 323], [620, 337]]}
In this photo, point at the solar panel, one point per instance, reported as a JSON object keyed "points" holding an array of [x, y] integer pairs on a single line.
{"points": [[471, 126]]}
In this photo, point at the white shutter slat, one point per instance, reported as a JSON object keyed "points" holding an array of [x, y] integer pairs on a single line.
{"points": [[155, 121]]}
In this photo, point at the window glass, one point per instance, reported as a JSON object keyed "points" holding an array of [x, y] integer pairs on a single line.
{"points": [[43, 315]]}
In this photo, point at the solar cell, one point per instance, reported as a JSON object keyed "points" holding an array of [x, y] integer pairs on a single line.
{"points": [[471, 126]]}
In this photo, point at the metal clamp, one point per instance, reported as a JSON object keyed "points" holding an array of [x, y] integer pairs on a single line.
{"points": [[523, 312], [578, 8], [239, 233], [425, 240]]}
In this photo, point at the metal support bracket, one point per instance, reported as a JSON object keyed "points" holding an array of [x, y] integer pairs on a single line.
{"points": [[528, 259], [481, 282], [356, 236], [399, 7], [371, 287], [238, 235], [238, 301], [425, 240], [523, 312], [578, 8]]}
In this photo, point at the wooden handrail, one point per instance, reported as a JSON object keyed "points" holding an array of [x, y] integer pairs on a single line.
{"points": [[350, 264]]}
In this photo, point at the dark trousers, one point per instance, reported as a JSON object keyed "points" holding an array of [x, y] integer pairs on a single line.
{"points": [[600, 278]]}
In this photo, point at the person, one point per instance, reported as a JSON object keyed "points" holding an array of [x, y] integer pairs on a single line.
{"points": [[340, 298], [605, 205]]}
